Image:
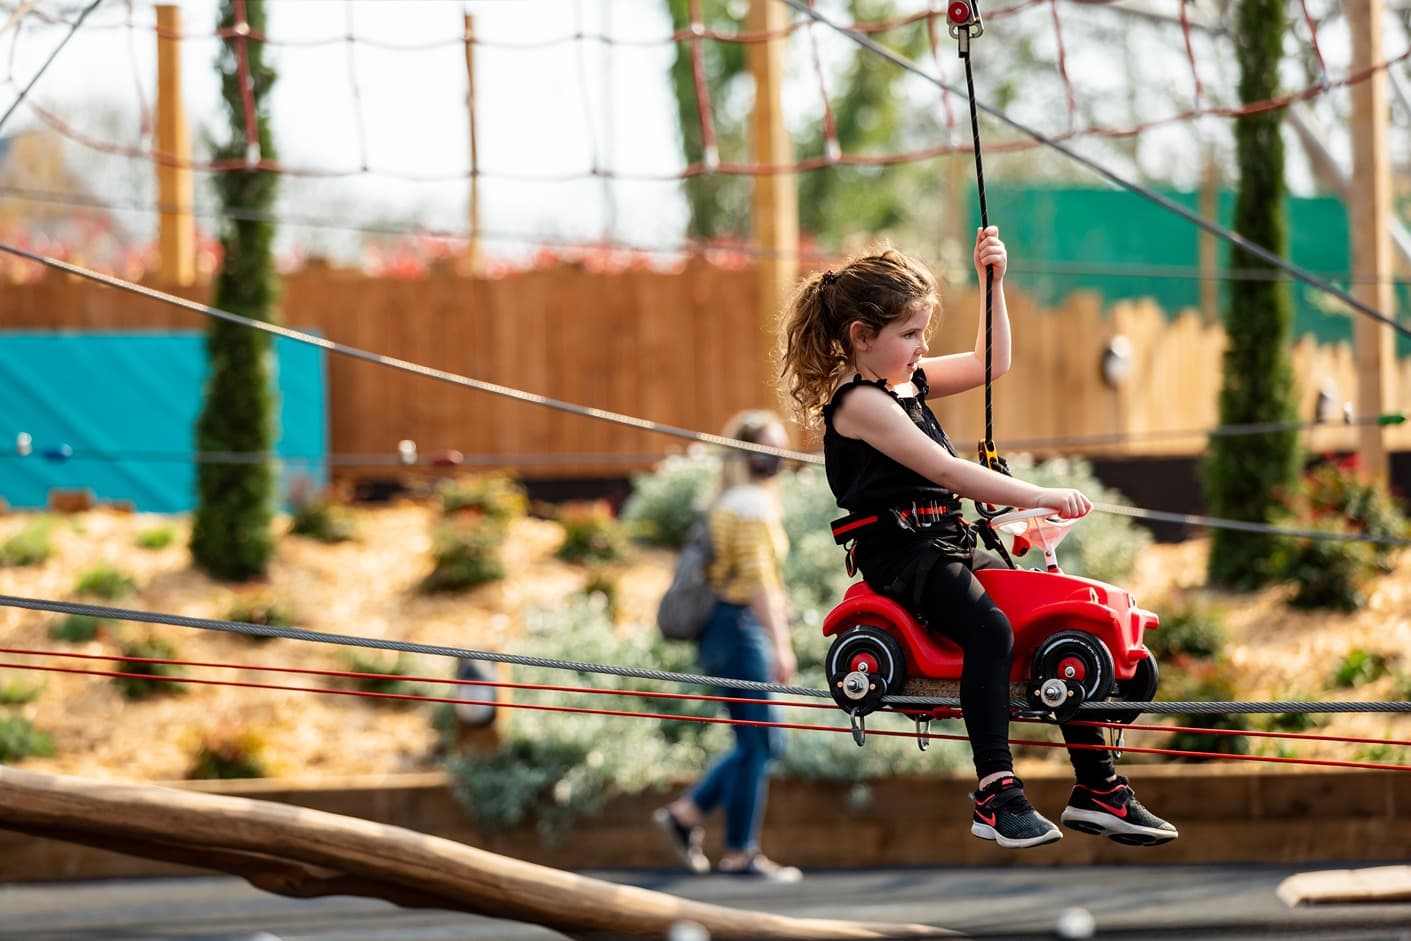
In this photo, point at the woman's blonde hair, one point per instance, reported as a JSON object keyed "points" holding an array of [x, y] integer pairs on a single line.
{"points": [[815, 345], [740, 467]]}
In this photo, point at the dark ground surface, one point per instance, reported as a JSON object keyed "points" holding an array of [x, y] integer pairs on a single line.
{"points": [[1212, 903]]}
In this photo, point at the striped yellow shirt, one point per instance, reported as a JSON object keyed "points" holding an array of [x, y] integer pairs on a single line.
{"points": [[749, 542]]}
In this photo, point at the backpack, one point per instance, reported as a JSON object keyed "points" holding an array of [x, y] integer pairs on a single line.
{"points": [[689, 600]]}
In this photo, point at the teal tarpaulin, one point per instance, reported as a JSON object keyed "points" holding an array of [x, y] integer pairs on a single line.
{"points": [[115, 413]]}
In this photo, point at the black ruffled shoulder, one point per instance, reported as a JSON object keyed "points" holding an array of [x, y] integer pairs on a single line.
{"points": [[918, 380], [847, 387]]}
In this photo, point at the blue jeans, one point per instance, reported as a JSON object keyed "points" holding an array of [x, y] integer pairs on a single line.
{"points": [[735, 646]]}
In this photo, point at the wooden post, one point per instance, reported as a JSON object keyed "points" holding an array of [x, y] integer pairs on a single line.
{"points": [[1368, 210], [472, 259], [176, 238], [775, 220], [1209, 250]]}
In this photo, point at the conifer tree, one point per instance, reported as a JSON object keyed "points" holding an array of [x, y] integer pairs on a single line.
{"points": [[1245, 476], [230, 536]]}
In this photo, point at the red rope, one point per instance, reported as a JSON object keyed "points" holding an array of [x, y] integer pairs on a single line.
{"points": [[831, 146], [247, 85], [1190, 54], [698, 77], [584, 710], [1063, 65]]}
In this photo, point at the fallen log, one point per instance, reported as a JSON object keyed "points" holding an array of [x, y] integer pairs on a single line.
{"points": [[305, 853]]}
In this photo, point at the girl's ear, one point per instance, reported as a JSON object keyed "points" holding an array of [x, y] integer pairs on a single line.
{"points": [[860, 334]]}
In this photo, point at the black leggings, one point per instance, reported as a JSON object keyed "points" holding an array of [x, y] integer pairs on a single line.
{"points": [[955, 604]]}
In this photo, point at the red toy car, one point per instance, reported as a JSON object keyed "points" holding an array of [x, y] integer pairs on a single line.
{"points": [[1076, 640]]}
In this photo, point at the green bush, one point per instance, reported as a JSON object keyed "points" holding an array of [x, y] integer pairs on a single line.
{"points": [[590, 533], [79, 628], [107, 582], [266, 612], [1332, 573], [464, 555], [158, 537], [665, 502], [602, 582], [1359, 667], [16, 693], [555, 768], [316, 517], [389, 670], [1192, 629], [1188, 679], [140, 686], [491, 496], [226, 754], [19, 739], [30, 546]]}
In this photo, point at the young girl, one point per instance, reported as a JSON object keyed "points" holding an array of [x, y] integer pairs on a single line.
{"points": [[854, 358]]}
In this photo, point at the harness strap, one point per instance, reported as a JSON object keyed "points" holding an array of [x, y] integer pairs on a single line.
{"points": [[914, 516]]}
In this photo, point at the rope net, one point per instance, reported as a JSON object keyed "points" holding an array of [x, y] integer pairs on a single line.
{"points": [[1150, 89]]}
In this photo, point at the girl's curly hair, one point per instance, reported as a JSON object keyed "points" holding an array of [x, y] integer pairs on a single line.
{"points": [[815, 347]]}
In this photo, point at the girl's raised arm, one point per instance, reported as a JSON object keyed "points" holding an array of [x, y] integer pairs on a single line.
{"points": [[957, 372]]}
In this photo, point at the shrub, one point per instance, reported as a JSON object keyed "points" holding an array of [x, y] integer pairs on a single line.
{"points": [[603, 583], [19, 739], [388, 670], [15, 693], [140, 686], [464, 555], [553, 768], [1359, 667], [665, 502], [1193, 629], [227, 753], [1193, 680], [107, 582], [158, 537], [79, 628], [466, 540], [316, 517], [266, 612], [30, 546], [590, 533], [1331, 573], [493, 497]]}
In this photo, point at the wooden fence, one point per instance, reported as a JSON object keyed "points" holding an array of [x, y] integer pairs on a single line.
{"points": [[682, 348]]}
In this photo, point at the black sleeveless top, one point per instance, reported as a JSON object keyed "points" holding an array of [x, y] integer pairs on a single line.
{"points": [[863, 479]]}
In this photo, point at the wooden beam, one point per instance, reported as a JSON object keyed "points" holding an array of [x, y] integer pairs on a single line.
{"points": [[176, 239], [306, 853], [1369, 211], [775, 210]]}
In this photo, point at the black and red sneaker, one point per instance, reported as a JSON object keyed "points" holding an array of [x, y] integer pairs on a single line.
{"points": [[1113, 811], [1002, 813]]}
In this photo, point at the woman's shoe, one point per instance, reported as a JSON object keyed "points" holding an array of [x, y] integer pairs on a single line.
{"points": [[686, 841], [760, 866]]}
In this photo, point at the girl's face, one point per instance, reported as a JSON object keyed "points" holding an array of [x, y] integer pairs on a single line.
{"points": [[894, 353]]}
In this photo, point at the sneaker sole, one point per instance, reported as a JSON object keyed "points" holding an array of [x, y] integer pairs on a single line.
{"points": [[695, 862], [1098, 823], [987, 832]]}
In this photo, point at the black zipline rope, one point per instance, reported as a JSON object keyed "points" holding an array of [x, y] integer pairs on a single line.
{"points": [[1227, 235], [350, 640], [586, 411]]}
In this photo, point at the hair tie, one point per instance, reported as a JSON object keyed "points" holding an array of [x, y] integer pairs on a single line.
{"points": [[830, 277]]}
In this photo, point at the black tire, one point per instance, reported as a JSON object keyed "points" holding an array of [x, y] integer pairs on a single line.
{"points": [[1098, 671], [1140, 688], [883, 648]]}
